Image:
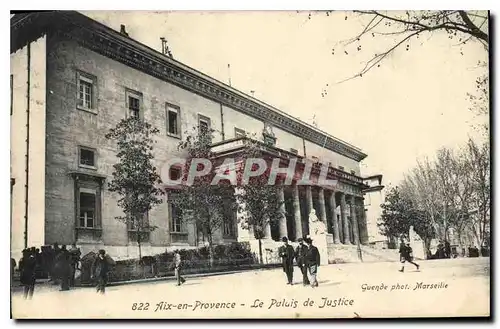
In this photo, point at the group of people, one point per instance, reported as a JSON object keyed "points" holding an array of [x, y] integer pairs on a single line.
{"points": [[56, 263], [59, 265], [307, 258]]}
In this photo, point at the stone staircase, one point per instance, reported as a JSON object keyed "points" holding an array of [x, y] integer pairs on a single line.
{"points": [[340, 253], [337, 253]]}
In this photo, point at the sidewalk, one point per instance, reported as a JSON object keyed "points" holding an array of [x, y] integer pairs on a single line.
{"points": [[45, 284]]}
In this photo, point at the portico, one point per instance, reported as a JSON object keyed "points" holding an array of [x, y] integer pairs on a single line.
{"points": [[339, 207]]}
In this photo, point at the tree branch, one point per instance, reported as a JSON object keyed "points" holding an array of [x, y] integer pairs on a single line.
{"points": [[474, 30]]}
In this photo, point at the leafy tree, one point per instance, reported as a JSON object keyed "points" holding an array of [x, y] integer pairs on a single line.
{"points": [[394, 221], [203, 201], [399, 213], [135, 178], [260, 204]]}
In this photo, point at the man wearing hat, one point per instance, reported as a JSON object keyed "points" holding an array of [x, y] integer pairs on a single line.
{"points": [[312, 261], [287, 254], [100, 269], [300, 256]]}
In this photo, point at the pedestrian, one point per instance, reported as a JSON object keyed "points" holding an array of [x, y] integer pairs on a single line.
{"points": [[287, 255], [300, 256], [27, 267], [63, 267], [406, 255], [178, 267], [100, 271], [12, 268], [75, 259], [447, 249], [312, 261]]}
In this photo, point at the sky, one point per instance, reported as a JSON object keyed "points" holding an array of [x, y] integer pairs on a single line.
{"points": [[412, 105]]}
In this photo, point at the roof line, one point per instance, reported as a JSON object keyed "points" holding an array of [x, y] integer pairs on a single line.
{"points": [[189, 68]]}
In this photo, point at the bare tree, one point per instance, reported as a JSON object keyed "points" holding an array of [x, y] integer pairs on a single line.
{"points": [[478, 157], [402, 27]]}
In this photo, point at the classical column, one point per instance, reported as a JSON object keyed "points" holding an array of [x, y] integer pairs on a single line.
{"points": [[309, 199], [322, 208], [309, 207], [335, 224], [345, 224], [363, 228], [354, 221], [296, 212], [283, 227]]}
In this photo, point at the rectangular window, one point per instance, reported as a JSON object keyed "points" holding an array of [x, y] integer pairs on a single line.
{"points": [[294, 151], [87, 157], [11, 93], [175, 173], [175, 218], [134, 100], [132, 225], [173, 120], [87, 209], [341, 168], [239, 132], [86, 91], [204, 124], [133, 106]]}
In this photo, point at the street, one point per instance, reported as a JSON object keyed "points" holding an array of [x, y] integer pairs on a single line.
{"points": [[451, 287]]}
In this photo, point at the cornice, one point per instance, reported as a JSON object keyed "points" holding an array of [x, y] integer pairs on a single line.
{"points": [[373, 188], [107, 42]]}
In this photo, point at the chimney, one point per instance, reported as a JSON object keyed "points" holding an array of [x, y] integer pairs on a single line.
{"points": [[123, 31]]}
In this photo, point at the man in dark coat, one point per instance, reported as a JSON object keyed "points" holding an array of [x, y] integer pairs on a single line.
{"points": [[447, 249], [287, 255], [300, 256], [27, 267], [100, 270], [312, 261], [406, 255], [63, 267], [12, 268]]}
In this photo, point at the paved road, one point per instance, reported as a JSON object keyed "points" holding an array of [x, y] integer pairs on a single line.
{"points": [[441, 288]]}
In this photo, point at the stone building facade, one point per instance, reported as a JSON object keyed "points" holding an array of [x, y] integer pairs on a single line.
{"points": [[73, 79], [374, 198]]}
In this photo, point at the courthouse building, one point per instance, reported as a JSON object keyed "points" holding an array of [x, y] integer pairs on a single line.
{"points": [[72, 79]]}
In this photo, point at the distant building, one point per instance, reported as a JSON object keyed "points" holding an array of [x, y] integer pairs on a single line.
{"points": [[374, 197]]}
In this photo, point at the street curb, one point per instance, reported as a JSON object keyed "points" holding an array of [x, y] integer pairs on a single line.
{"points": [[172, 278]]}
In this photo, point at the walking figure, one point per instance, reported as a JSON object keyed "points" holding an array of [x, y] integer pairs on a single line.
{"points": [[63, 267], [287, 255], [312, 261], [100, 270], [300, 256], [178, 266], [27, 267], [406, 255], [75, 259]]}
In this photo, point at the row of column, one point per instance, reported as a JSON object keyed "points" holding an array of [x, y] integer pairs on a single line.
{"points": [[346, 234]]}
